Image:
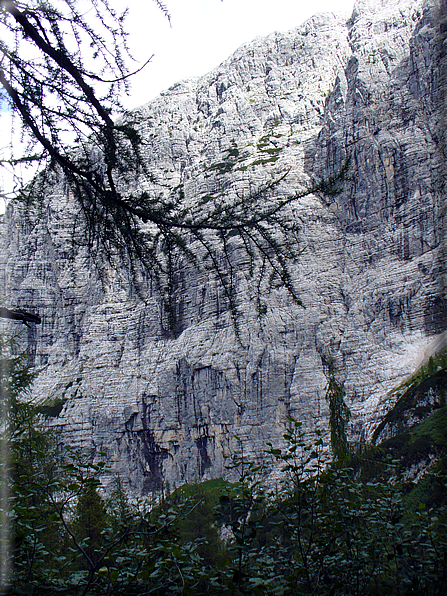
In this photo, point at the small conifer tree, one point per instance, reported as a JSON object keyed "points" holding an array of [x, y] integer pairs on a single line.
{"points": [[339, 412], [90, 518]]}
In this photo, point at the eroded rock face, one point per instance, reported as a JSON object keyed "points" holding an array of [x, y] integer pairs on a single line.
{"points": [[164, 409]]}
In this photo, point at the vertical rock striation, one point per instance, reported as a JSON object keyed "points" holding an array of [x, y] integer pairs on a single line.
{"points": [[370, 87]]}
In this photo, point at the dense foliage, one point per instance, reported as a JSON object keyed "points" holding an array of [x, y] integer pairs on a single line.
{"points": [[328, 528]]}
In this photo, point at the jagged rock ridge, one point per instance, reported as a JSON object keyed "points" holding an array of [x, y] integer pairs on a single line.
{"points": [[370, 275]]}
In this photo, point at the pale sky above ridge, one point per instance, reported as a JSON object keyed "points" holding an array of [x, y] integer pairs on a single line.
{"points": [[202, 34]]}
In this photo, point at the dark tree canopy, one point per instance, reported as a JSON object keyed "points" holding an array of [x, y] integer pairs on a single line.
{"points": [[75, 125]]}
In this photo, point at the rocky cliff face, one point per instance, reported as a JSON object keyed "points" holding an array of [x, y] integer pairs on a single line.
{"points": [[370, 275]]}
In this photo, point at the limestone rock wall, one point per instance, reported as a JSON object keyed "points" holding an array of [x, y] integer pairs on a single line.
{"points": [[366, 86]]}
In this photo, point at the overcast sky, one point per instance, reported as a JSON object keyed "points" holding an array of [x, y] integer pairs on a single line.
{"points": [[202, 34]]}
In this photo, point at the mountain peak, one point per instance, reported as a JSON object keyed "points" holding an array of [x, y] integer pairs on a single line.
{"points": [[167, 408]]}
